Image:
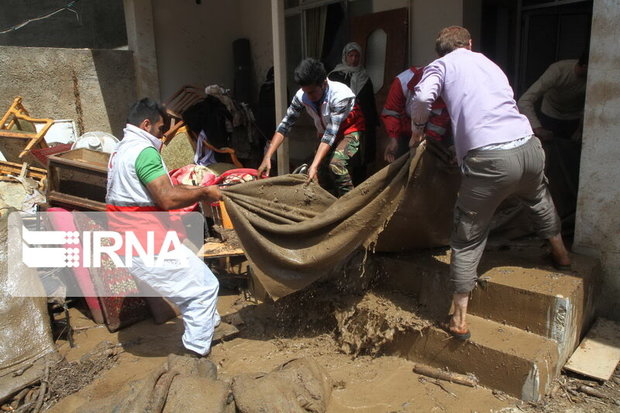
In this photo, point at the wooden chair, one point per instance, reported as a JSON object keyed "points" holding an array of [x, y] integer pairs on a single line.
{"points": [[179, 102], [18, 134]]}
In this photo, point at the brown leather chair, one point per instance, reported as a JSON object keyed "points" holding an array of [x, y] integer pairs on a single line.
{"points": [[180, 101]]}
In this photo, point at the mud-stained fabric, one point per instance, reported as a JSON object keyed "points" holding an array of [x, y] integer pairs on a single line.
{"points": [[298, 386], [182, 384], [295, 233], [423, 217], [25, 333]]}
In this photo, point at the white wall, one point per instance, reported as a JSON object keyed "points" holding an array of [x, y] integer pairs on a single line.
{"points": [[428, 18], [597, 229], [194, 42], [255, 24]]}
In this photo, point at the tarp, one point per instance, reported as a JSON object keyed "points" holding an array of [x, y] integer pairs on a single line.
{"points": [[25, 334], [295, 233]]}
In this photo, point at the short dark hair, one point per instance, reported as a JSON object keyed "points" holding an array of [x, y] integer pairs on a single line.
{"points": [[450, 39], [310, 72], [146, 108]]}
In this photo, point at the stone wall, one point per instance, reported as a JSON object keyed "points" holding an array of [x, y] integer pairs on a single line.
{"points": [[91, 24], [93, 87]]}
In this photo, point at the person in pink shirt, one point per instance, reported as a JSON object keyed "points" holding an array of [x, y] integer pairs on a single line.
{"points": [[498, 154]]}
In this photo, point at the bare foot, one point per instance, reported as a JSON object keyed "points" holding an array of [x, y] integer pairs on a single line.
{"points": [[458, 328], [458, 322], [559, 253]]}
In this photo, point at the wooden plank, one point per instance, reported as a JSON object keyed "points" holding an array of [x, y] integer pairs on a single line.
{"points": [[218, 250], [65, 200], [598, 354], [12, 168]]}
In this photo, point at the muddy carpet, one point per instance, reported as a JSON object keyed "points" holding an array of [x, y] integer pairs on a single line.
{"points": [[294, 233]]}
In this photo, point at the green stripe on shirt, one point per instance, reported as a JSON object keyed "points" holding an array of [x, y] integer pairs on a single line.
{"points": [[149, 165]]}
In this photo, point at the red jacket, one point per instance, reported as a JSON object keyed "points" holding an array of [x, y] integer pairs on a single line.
{"points": [[396, 114]]}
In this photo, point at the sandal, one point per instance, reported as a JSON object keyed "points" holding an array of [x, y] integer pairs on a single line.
{"points": [[556, 265], [459, 334], [454, 332]]}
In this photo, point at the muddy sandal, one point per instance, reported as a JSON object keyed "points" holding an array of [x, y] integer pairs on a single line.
{"points": [[556, 265], [458, 334]]}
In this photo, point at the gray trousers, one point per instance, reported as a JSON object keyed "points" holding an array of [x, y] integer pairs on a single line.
{"points": [[489, 177]]}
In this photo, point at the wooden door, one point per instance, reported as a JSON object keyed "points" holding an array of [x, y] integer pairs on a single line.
{"points": [[394, 23]]}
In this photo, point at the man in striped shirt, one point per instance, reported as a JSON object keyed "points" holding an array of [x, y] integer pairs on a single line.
{"points": [[338, 121]]}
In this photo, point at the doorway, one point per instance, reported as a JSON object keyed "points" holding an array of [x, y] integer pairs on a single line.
{"points": [[539, 33], [320, 30], [383, 37]]}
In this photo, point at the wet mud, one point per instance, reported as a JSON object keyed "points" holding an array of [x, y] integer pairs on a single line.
{"points": [[304, 325]]}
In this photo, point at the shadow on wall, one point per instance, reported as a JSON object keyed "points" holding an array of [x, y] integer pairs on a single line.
{"points": [[117, 84], [92, 87], [49, 64]]}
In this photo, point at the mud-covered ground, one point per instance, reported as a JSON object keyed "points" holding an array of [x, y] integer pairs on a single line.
{"points": [[573, 393], [272, 334], [342, 331]]}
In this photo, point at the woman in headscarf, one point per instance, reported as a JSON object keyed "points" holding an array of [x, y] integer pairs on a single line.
{"points": [[353, 74]]}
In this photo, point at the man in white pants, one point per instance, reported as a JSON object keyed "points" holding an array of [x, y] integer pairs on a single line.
{"points": [[138, 181]]}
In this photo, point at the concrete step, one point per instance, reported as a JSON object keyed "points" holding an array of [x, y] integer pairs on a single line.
{"points": [[539, 299], [520, 290], [502, 357]]}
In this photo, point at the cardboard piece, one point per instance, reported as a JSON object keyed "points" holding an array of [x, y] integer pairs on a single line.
{"points": [[212, 250], [598, 354]]}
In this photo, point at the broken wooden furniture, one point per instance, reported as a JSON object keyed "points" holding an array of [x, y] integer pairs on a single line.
{"points": [[9, 169], [19, 134], [77, 179], [184, 98]]}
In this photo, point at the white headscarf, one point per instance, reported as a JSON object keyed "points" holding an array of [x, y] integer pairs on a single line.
{"points": [[359, 77]]}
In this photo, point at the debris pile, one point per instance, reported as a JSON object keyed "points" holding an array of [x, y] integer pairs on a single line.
{"points": [[62, 378], [367, 325], [571, 392]]}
